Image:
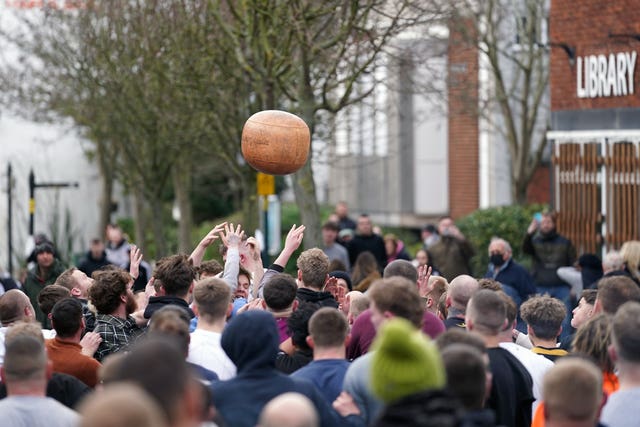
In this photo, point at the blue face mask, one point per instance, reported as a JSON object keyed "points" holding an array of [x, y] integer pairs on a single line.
{"points": [[496, 260]]}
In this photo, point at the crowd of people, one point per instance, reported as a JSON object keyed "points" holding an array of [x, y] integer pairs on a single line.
{"points": [[363, 334]]}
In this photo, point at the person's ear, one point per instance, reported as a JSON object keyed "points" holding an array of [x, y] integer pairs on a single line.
{"points": [[310, 342], [447, 301], [613, 354], [76, 292], [263, 303], [194, 308], [430, 302], [299, 275], [295, 305], [597, 306], [469, 323], [347, 340]]}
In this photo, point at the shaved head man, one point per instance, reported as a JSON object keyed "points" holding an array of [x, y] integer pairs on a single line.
{"points": [[460, 291]]}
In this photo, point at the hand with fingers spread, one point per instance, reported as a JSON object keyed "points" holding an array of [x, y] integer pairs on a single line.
{"points": [[135, 258], [424, 273], [232, 237]]}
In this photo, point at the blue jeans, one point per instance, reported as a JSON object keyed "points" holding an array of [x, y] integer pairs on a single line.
{"points": [[563, 293]]}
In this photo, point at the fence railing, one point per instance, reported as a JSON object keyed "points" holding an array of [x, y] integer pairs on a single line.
{"points": [[597, 188]]}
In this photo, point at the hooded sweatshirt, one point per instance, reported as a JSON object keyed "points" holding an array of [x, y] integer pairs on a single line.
{"points": [[251, 341], [324, 299]]}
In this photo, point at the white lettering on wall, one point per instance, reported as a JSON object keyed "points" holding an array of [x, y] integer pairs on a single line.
{"points": [[602, 76]]}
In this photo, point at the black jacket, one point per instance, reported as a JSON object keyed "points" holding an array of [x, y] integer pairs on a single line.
{"points": [[324, 299]]}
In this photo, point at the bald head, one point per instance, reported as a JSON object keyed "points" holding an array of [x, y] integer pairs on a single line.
{"points": [[15, 306], [289, 410], [460, 291]]}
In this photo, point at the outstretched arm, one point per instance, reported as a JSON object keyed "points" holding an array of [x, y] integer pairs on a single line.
{"points": [[232, 240], [292, 242], [198, 253]]}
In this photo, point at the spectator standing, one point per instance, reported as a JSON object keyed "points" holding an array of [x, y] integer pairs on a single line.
{"points": [[117, 246], [514, 279], [328, 334], [94, 259], [621, 410], [45, 272], [25, 372], [331, 247], [342, 213], [544, 315], [453, 252], [366, 240], [550, 251]]}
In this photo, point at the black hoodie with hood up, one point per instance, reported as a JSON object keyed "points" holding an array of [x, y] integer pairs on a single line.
{"points": [[251, 341]]}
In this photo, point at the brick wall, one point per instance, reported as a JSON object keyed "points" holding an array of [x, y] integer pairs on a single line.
{"points": [[463, 121], [585, 25]]}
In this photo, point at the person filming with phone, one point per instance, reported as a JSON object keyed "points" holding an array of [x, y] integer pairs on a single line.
{"points": [[549, 251]]}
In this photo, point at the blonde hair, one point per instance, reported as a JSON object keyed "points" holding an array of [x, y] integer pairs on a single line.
{"points": [[630, 252]]}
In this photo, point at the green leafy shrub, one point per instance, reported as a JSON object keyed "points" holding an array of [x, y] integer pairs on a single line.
{"points": [[507, 222]]}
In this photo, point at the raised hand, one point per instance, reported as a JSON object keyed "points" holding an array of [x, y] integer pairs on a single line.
{"points": [[213, 235], [424, 273], [232, 237], [294, 238], [135, 258]]}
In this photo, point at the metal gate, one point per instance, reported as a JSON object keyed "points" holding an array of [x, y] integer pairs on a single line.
{"points": [[597, 187]]}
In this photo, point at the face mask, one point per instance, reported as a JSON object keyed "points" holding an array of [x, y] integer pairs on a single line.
{"points": [[496, 260]]}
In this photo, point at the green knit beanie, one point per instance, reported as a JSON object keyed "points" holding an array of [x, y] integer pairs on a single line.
{"points": [[405, 362]]}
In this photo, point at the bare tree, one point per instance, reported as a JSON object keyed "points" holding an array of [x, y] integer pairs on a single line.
{"points": [[308, 56], [511, 39]]}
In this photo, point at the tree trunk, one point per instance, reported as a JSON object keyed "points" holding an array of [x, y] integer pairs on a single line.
{"points": [[157, 224], [249, 204], [182, 188], [304, 189], [140, 219], [519, 187], [106, 196]]}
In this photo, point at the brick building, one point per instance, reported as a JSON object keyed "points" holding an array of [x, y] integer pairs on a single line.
{"points": [[408, 158], [595, 120]]}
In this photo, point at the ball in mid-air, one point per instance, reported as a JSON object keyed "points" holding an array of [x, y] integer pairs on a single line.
{"points": [[275, 142]]}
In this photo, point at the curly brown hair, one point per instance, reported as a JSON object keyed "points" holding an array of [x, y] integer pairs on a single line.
{"points": [[107, 288], [544, 314]]}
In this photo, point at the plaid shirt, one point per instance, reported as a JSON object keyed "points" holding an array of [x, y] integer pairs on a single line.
{"points": [[116, 333]]}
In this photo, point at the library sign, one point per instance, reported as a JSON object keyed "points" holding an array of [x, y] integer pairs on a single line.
{"points": [[600, 76]]}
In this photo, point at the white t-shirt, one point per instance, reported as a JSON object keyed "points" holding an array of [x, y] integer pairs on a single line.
{"points": [[205, 350], [535, 364]]}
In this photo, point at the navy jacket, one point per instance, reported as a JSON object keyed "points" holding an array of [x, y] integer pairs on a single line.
{"points": [[251, 341], [515, 280]]}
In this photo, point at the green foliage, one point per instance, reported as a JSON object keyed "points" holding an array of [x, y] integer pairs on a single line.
{"points": [[507, 222]]}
